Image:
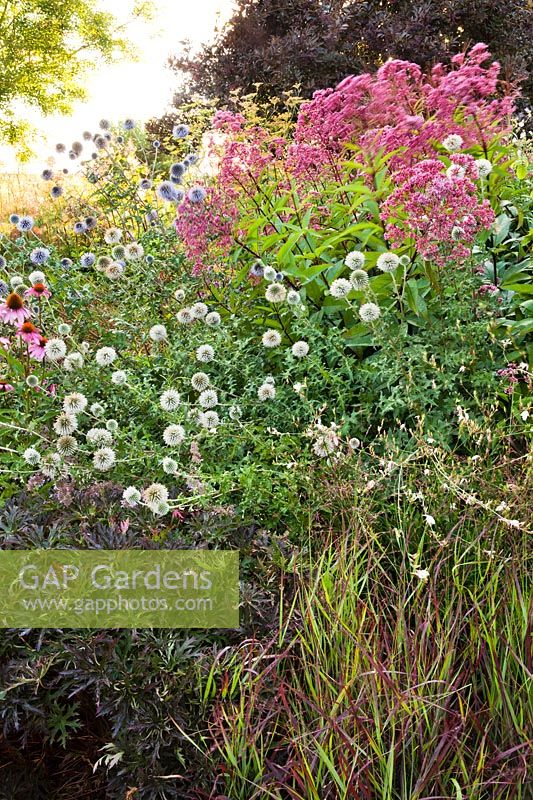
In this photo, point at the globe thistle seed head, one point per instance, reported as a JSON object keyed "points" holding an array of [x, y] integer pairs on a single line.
{"points": [[118, 252], [300, 349], [266, 392], [111, 425], [66, 263], [16, 281], [387, 262], [104, 459], [452, 143], [197, 194], [269, 274], [32, 381], [185, 316], [170, 400], [97, 409], [212, 319], [199, 310], [200, 381], [155, 494], [114, 271], [293, 297], [87, 136], [484, 167], [100, 142], [271, 339], [257, 269], [119, 377], [105, 356], [74, 403], [66, 446], [104, 125], [208, 398], [369, 312], [129, 124], [133, 251], [90, 223], [55, 349], [209, 420], [174, 435], [179, 295], [340, 288], [158, 333], [205, 353], [170, 467], [276, 293], [355, 260], [235, 412], [76, 147], [103, 262], [65, 423], [60, 148]]}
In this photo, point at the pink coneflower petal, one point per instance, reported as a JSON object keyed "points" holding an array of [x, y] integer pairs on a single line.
{"points": [[29, 333], [38, 290], [6, 387], [13, 311], [36, 348]]}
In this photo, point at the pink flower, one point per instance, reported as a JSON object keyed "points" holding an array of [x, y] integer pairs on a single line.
{"points": [[4, 342], [6, 387], [13, 310], [38, 290], [28, 332], [36, 348]]}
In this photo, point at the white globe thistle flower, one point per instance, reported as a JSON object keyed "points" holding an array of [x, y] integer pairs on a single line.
{"points": [[158, 333], [114, 271], [119, 378], [50, 464], [133, 251], [209, 420], [326, 442], [340, 288], [174, 435], [160, 509], [179, 295], [271, 338], [31, 456], [457, 233], [185, 316], [369, 312], [112, 236], [276, 293], [15, 281], [235, 412], [39, 277], [99, 437], [155, 494], [65, 423], [429, 520], [299, 388], [387, 262], [213, 319], [169, 466], [452, 143], [484, 167], [169, 400], [266, 392], [208, 398], [293, 297], [269, 274], [74, 403], [131, 496], [359, 280], [66, 446], [55, 349], [205, 353], [85, 348], [355, 260], [269, 379], [105, 356], [104, 459], [354, 443], [32, 381], [199, 310], [112, 425], [200, 381], [300, 349], [97, 409], [455, 172]]}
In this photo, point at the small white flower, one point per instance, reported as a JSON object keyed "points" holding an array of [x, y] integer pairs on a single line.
{"points": [[74, 403], [169, 466], [99, 437], [421, 574], [452, 143], [276, 293], [299, 388], [359, 280], [104, 459], [340, 288], [355, 260], [354, 444], [112, 236], [133, 251], [429, 520], [31, 456], [158, 333], [455, 172], [160, 509], [131, 496], [235, 412], [105, 356], [300, 349], [512, 523], [369, 312], [502, 506], [119, 378], [293, 297], [208, 398], [65, 423], [184, 316], [205, 353], [387, 262], [55, 349], [266, 392], [484, 167], [271, 338], [457, 233], [212, 319], [174, 435], [169, 400], [200, 381], [199, 310], [524, 414], [179, 295], [39, 277], [209, 420]]}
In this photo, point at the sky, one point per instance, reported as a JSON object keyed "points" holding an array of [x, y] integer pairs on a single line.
{"points": [[140, 89]]}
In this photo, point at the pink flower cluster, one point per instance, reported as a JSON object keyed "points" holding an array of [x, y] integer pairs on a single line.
{"points": [[207, 227], [437, 209], [401, 107]]}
